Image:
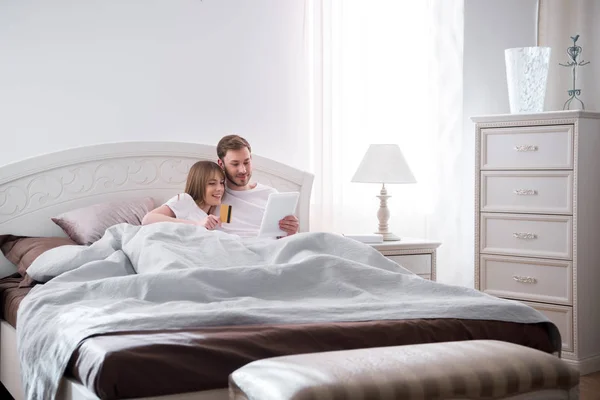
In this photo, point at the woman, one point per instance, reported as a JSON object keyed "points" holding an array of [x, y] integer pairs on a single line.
{"points": [[203, 192]]}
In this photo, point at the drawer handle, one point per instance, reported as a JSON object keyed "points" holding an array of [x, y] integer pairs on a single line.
{"points": [[524, 279], [524, 235], [525, 192], [527, 147]]}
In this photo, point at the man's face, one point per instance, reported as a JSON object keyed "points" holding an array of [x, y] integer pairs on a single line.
{"points": [[237, 165]]}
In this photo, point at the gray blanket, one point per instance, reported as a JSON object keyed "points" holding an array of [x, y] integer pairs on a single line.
{"points": [[176, 276]]}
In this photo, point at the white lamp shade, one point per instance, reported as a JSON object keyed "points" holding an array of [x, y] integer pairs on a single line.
{"points": [[383, 163]]}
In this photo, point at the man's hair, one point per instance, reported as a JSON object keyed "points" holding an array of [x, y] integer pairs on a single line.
{"points": [[198, 177], [231, 142]]}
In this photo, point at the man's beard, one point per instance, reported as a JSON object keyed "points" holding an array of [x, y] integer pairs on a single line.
{"points": [[231, 179]]}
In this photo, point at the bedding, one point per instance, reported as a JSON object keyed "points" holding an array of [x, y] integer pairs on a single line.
{"points": [[147, 363], [86, 225], [12, 292], [22, 251], [144, 364], [173, 276]]}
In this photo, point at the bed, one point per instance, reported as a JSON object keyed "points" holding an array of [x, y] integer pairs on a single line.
{"points": [[164, 363]]}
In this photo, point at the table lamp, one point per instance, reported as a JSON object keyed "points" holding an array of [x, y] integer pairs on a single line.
{"points": [[384, 163]]}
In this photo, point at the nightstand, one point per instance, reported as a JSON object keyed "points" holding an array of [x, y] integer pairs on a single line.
{"points": [[416, 255]]}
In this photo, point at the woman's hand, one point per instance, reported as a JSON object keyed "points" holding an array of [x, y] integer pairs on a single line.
{"points": [[210, 222]]}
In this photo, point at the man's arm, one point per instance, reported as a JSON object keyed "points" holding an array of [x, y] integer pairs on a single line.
{"points": [[289, 224]]}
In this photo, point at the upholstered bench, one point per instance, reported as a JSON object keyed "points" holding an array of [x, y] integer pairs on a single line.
{"points": [[476, 369]]}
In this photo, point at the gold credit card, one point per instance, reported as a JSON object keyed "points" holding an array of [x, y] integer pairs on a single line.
{"points": [[225, 213]]}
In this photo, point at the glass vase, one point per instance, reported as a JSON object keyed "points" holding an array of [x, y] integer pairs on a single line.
{"points": [[527, 75]]}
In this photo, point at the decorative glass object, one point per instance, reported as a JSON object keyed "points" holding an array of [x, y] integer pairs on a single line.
{"points": [[574, 52], [527, 74]]}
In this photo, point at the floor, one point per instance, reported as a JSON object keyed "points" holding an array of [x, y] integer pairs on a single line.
{"points": [[589, 388]]}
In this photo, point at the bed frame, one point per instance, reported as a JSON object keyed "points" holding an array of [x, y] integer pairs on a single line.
{"points": [[35, 189]]}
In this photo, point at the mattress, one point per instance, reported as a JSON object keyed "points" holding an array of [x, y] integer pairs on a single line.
{"points": [[152, 363]]}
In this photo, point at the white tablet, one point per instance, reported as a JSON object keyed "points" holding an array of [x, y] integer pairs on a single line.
{"points": [[279, 205]]}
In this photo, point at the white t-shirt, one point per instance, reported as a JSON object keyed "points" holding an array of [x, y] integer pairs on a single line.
{"points": [[247, 209], [184, 207]]}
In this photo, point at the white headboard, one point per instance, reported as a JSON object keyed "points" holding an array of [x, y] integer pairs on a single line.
{"points": [[35, 189]]}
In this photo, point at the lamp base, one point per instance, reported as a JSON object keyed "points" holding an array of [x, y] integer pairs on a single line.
{"points": [[388, 236], [384, 215]]}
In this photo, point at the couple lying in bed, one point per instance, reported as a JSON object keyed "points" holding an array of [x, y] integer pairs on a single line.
{"points": [[208, 183]]}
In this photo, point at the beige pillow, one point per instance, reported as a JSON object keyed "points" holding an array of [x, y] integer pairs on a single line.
{"points": [[88, 224]]}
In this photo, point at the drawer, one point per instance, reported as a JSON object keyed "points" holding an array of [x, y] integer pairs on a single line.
{"points": [[418, 263], [544, 192], [549, 281], [562, 317], [536, 147], [549, 236]]}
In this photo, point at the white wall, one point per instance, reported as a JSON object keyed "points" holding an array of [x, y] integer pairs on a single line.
{"points": [[490, 27], [79, 73]]}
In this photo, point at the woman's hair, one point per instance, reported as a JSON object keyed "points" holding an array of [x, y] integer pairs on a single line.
{"points": [[198, 177]]}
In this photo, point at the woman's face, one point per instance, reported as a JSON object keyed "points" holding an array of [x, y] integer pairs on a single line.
{"points": [[214, 190]]}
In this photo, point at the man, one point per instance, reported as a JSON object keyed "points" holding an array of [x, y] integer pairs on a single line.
{"points": [[248, 200]]}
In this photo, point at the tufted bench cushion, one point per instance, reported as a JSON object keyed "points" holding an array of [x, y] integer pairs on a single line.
{"points": [[475, 369]]}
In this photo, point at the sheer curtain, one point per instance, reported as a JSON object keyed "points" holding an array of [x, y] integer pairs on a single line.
{"points": [[558, 21], [388, 71]]}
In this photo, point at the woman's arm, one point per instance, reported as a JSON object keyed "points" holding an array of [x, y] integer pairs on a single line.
{"points": [[163, 214]]}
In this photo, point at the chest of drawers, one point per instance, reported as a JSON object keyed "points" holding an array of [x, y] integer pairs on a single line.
{"points": [[537, 220]]}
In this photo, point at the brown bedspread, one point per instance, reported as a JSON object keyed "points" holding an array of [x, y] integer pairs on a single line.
{"points": [[10, 297], [140, 364]]}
